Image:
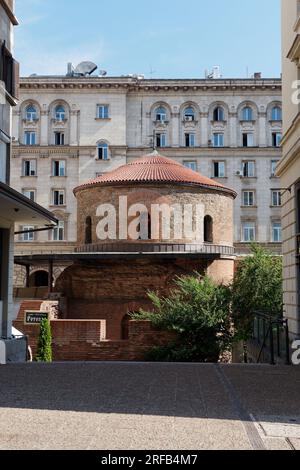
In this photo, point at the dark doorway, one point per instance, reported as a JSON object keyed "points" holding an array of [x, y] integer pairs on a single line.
{"points": [[39, 279], [125, 327]]}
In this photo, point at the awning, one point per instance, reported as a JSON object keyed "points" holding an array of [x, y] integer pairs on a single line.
{"points": [[16, 208]]}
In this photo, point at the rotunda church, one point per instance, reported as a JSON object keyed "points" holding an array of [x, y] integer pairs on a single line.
{"points": [[139, 227]]}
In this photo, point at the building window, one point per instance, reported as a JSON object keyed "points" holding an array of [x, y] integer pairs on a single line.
{"points": [[247, 114], [30, 138], [161, 140], [59, 138], [276, 114], [218, 114], [102, 111], [31, 113], [59, 168], [274, 164], [29, 168], [60, 113], [248, 232], [189, 140], [249, 169], [276, 198], [219, 170], [102, 151], [58, 197], [276, 232], [191, 165], [276, 139], [88, 230], [208, 229], [248, 198], [218, 140], [29, 236], [248, 140], [58, 233], [161, 114], [30, 193], [189, 114]]}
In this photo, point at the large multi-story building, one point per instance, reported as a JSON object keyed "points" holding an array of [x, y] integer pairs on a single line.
{"points": [[289, 167], [69, 129], [15, 209]]}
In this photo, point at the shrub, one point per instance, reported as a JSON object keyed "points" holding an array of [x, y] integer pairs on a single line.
{"points": [[44, 350], [198, 311], [257, 286]]}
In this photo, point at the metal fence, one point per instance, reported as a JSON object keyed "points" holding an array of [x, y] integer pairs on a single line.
{"points": [[272, 336]]}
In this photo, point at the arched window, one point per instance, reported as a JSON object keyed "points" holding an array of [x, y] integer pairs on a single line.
{"points": [[247, 114], [219, 114], [88, 230], [208, 229], [31, 113], [60, 113], [102, 151], [161, 114], [276, 114], [189, 114]]}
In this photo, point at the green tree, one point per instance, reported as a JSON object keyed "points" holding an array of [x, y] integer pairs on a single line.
{"points": [[197, 310], [257, 287], [44, 350]]}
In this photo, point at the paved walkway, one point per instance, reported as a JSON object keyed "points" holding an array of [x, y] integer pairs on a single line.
{"points": [[149, 406]]}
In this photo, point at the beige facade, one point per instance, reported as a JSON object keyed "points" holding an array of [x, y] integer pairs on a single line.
{"points": [[188, 118], [289, 168]]}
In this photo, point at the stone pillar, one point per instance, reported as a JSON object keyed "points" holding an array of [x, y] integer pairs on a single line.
{"points": [[204, 129], [74, 137], [233, 126], [6, 282], [175, 129], [44, 132], [262, 127]]}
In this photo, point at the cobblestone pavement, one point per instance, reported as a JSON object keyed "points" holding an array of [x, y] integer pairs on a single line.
{"points": [[149, 406]]}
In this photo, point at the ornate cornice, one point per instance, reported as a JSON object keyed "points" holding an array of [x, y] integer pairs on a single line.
{"points": [[111, 84]]}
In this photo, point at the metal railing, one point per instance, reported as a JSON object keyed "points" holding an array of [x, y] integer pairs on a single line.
{"points": [[144, 247], [272, 336]]}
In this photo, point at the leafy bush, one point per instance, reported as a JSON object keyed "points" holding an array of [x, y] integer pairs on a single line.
{"points": [[198, 311], [44, 350], [257, 286]]}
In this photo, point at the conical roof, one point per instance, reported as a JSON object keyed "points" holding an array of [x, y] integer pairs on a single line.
{"points": [[157, 169]]}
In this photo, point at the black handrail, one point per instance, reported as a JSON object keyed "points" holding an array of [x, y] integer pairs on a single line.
{"points": [[269, 323]]}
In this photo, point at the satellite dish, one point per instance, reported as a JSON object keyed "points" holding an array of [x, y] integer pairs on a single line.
{"points": [[102, 73], [85, 68]]}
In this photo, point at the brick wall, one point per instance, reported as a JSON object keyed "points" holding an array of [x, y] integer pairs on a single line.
{"points": [[79, 340]]}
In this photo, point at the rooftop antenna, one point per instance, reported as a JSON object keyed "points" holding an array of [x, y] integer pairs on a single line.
{"points": [[85, 68]]}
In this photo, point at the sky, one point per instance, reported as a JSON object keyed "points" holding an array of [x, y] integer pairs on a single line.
{"points": [[157, 38]]}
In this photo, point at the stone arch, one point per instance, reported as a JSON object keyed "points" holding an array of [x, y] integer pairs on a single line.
{"points": [[28, 103], [215, 105], [190, 104], [163, 104], [39, 278], [271, 106], [249, 104]]}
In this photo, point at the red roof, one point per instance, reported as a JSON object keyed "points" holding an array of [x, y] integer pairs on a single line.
{"points": [[154, 168]]}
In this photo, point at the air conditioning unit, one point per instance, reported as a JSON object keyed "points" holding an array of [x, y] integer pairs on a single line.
{"points": [[239, 173]]}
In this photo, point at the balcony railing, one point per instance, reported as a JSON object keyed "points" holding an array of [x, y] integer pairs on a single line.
{"points": [[205, 249]]}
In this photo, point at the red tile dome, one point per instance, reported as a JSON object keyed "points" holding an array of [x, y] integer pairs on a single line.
{"points": [[154, 168]]}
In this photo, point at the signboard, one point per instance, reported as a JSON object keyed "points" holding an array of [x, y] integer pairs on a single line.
{"points": [[35, 318]]}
